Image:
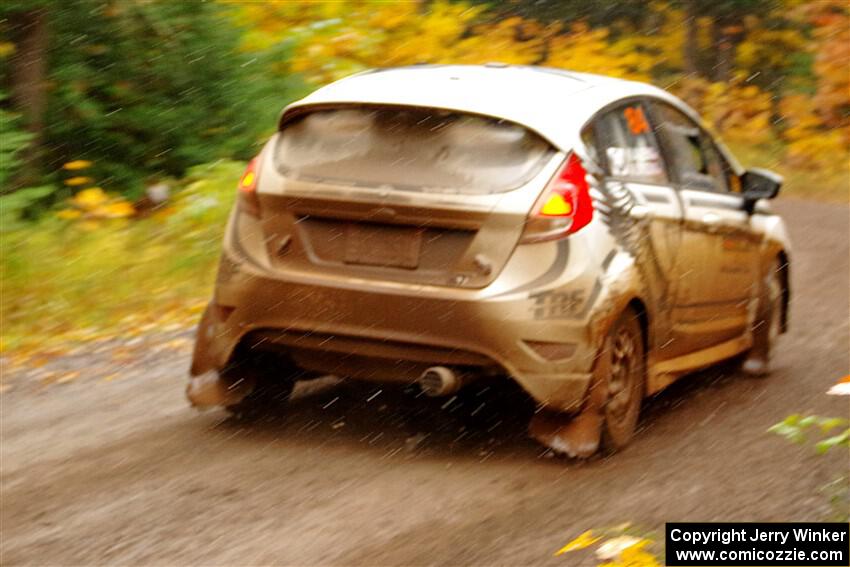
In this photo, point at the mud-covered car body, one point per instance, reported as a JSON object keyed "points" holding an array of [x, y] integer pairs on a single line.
{"points": [[371, 243]]}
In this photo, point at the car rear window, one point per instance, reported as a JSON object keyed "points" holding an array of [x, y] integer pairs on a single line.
{"points": [[410, 149]]}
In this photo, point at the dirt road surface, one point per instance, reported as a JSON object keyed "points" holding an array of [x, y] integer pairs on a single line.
{"points": [[112, 467]]}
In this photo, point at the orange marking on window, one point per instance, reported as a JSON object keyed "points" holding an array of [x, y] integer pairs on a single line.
{"points": [[636, 120]]}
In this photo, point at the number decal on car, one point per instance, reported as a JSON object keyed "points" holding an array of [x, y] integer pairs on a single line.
{"points": [[636, 120]]}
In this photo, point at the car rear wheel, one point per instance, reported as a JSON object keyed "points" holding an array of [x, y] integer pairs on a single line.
{"points": [[624, 358], [273, 380]]}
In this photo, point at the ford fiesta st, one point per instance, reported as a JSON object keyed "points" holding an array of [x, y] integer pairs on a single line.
{"points": [[584, 236]]}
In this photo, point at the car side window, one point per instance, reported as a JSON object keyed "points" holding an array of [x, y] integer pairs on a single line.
{"points": [[694, 157], [730, 181], [628, 146]]}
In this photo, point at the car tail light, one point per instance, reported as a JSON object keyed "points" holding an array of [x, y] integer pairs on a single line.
{"points": [[248, 200], [564, 207]]}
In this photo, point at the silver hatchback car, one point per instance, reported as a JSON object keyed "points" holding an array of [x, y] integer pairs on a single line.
{"points": [[585, 236]]}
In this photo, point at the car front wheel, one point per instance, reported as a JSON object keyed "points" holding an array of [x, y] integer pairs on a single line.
{"points": [[768, 323]]}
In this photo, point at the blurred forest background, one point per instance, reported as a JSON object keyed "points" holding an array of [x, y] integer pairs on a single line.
{"points": [[125, 124]]}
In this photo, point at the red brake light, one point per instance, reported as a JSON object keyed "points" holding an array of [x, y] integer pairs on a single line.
{"points": [[569, 196], [248, 188], [565, 205]]}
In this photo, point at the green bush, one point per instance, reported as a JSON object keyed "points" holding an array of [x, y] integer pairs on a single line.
{"points": [[13, 140]]}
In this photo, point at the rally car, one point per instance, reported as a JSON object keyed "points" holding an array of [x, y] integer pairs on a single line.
{"points": [[585, 236]]}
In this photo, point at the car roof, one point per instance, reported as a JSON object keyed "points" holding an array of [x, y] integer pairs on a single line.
{"points": [[554, 103]]}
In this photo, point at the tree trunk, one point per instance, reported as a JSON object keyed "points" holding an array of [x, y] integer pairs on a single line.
{"points": [[690, 48], [28, 77], [723, 45]]}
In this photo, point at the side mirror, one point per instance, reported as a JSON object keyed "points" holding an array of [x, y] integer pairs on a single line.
{"points": [[758, 184]]}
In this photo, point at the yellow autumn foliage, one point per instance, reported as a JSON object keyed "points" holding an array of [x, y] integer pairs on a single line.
{"points": [[89, 199], [331, 40], [741, 112], [767, 48], [117, 209], [809, 146], [634, 555], [614, 548], [7, 48], [583, 541], [69, 214], [590, 50], [77, 164], [94, 203], [831, 50], [738, 111], [78, 180]]}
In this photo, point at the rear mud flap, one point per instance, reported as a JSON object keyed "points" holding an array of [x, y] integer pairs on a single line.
{"points": [[577, 436]]}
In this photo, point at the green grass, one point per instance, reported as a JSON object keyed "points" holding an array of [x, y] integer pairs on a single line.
{"points": [[69, 280]]}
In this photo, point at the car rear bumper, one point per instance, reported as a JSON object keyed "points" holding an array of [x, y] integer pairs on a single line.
{"points": [[368, 332]]}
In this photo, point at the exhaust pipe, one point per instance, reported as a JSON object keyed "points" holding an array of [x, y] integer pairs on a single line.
{"points": [[439, 381]]}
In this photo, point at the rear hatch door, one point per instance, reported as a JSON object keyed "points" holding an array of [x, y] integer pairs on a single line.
{"points": [[402, 194]]}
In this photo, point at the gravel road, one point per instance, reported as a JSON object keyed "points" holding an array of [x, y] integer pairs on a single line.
{"points": [[112, 466]]}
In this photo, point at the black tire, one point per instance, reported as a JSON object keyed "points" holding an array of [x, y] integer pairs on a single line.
{"points": [[625, 361], [273, 380]]}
